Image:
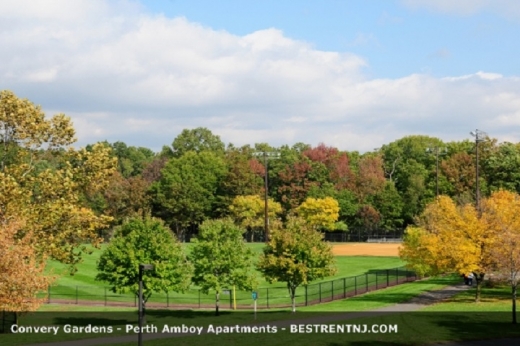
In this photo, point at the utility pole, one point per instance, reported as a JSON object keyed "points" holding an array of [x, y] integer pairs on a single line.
{"points": [[142, 268], [266, 155], [480, 136], [435, 150]]}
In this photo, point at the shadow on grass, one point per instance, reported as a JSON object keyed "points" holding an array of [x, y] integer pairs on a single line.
{"points": [[364, 343]]}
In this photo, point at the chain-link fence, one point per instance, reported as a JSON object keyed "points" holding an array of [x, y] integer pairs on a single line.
{"points": [[365, 235], [267, 297]]}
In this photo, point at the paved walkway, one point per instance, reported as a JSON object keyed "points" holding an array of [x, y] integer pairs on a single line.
{"points": [[415, 304]]}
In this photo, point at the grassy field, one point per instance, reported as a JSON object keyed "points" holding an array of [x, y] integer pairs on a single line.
{"points": [[346, 265], [83, 286]]}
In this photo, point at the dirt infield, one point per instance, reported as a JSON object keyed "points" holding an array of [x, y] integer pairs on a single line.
{"points": [[366, 249]]}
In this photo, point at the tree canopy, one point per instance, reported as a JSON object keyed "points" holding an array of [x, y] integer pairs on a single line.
{"points": [[221, 259], [44, 179], [144, 241], [296, 255]]}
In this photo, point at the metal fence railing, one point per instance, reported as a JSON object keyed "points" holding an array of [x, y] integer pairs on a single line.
{"points": [[364, 235], [267, 297]]}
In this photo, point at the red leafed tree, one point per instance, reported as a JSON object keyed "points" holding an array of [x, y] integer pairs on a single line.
{"points": [[459, 169], [337, 165], [322, 154], [369, 216], [257, 167], [371, 177], [341, 174], [295, 184]]}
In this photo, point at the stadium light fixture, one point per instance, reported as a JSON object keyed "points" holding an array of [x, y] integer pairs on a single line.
{"points": [[480, 136], [266, 155]]}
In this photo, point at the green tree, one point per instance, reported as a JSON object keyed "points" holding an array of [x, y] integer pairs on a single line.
{"points": [[296, 255], [186, 193], [390, 205], [502, 168], [240, 178], [221, 259], [408, 164], [131, 160], [197, 140], [148, 241]]}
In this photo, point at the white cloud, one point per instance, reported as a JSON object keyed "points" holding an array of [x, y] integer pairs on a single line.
{"points": [[125, 75]]}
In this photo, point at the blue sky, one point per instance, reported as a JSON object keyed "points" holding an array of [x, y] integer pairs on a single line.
{"points": [[352, 74], [396, 39]]}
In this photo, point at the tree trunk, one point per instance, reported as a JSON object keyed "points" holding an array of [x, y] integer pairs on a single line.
{"points": [[217, 301], [292, 290], [514, 301], [479, 278]]}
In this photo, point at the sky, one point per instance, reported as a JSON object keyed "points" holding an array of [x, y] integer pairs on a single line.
{"points": [[351, 74]]}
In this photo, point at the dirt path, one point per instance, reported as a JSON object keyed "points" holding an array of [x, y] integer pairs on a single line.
{"points": [[366, 249]]}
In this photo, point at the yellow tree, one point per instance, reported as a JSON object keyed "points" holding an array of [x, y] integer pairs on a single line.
{"points": [[502, 213], [22, 271], [249, 212], [320, 213], [449, 238], [48, 197]]}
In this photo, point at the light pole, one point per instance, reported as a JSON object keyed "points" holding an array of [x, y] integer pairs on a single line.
{"points": [[480, 136], [142, 268], [266, 155], [435, 151]]}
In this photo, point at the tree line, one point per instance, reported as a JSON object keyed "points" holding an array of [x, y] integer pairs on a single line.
{"points": [[198, 178]]}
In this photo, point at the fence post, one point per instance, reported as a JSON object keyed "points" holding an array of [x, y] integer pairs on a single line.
{"points": [[377, 277], [76, 294], [267, 296], [366, 281], [199, 298], [105, 296], [49, 294], [355, 285], [230, 300], [332, 289], [167, 300], [344, 287], [387, 277], [306, 299], [320, 292]]}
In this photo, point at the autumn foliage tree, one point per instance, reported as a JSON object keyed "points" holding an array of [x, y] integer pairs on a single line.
{"points": [[249, 212], [320, 213], [22, 270], [48, 198], [501, 212], [450, 238]]}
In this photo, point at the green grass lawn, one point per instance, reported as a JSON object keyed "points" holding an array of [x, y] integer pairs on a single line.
{"points": [[492, 299], [83, 286], [463, 321]]}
